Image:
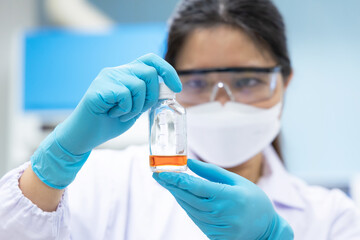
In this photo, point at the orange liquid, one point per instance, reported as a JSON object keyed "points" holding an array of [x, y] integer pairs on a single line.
{"points": [[175, 160]]}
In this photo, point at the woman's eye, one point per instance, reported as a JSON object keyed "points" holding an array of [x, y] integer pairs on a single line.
{"points": [[247, 82], [196, 84]]}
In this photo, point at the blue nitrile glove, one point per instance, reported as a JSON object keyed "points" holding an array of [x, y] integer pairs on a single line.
{"points": [[226, 206], [111, 105]]}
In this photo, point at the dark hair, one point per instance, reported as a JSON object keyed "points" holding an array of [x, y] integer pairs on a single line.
{"points": [[259, 19]]}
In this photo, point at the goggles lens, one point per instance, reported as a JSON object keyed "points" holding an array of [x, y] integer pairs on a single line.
{"points": [[245, 85]]}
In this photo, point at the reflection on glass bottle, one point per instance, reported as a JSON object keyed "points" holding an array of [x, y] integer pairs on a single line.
{"points": [[168, 147]]}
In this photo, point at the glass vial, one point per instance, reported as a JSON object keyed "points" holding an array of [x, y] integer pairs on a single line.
{"points": [[168, 145]]}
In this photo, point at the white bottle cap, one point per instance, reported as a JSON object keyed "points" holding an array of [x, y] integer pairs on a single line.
{"points": [[165, 92]]}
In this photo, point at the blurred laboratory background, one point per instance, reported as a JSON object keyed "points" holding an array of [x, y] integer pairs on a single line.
{"points": [[51, 50]]}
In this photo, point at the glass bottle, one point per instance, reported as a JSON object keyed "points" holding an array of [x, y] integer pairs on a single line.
{"points": [[168, 144]]}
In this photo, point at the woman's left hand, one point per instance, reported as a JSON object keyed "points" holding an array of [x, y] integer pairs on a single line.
{"points": [[226, 205]]}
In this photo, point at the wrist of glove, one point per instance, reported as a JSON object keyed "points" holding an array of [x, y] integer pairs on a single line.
{"points": [[279, 230], [54, 165]]}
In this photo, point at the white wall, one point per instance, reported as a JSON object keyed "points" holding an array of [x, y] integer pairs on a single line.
{"points": [[15, 15], [322, 109]]}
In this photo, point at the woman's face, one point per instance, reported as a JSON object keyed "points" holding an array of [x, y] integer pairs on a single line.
{"points": [[224, 46]]}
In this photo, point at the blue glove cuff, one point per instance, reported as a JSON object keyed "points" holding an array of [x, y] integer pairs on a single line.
{"points": [[54, 165]]}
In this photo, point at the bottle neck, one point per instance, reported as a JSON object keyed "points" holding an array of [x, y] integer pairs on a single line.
{"points": [[167, 96], [165, 92]]}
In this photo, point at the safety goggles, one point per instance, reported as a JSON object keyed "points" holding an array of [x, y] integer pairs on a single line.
{"points": [[242, 84]]}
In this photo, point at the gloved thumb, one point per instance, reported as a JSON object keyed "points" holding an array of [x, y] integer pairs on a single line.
{"points": [[212, 172]]}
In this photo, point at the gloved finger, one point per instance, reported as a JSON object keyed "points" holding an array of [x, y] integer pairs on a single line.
{"points": [[196, 186], [138, 91], [196, 202], [212, 172], [137, 116], [124, 105], [150, 76], [123, 126], [164, 69], [205, 217], [104, 95]]}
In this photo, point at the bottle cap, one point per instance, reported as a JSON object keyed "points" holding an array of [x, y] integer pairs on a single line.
{"points": [[165, 92]]}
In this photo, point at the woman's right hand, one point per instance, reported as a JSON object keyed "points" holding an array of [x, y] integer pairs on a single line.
{"points": [[111, 105], [113, 102]]}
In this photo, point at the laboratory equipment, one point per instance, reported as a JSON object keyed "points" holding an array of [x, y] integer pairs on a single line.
{"points": [[168, 144]]}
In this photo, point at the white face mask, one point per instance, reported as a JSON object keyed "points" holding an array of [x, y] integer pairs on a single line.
{"points": [[230, 135]]}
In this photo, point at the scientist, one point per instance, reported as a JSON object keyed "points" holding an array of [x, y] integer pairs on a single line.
{"points": [[232, 70]]}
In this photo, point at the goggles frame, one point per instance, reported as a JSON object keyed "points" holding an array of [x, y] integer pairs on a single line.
{"points": [[221, 84], [275, 69]]}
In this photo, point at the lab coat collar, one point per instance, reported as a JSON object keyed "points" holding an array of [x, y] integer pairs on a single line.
{"points": [[277, 183]]}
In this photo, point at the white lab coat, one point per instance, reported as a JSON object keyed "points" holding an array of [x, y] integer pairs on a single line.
{"points": [[115, 197]]}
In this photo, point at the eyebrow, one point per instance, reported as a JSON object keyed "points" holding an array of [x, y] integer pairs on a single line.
{"points": [[230, 69]]}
